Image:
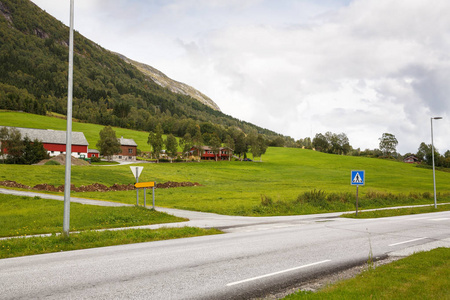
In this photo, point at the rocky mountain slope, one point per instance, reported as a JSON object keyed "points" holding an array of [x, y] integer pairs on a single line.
{"points": [[174, 86]]}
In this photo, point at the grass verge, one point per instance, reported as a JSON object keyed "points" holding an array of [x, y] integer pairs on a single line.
{"points": [[26, 216], [424, 275], [91, 239], [397, 212]]}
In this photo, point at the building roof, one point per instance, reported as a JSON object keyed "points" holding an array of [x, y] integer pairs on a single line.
{"points": [[51, 136], [210, 148], [127, 142]]}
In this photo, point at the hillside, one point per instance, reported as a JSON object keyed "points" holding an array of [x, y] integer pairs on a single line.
{"points": [[174, 86], [107, 89]]}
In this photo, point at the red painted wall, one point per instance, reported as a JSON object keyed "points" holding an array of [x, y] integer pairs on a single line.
{"points": [[62, 147]]}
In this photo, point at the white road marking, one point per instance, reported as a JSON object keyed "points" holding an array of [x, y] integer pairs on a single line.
{"points": [[279, 272], [439, 219], [410, 241]]}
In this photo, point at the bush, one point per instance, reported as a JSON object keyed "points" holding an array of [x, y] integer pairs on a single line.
{"points": [[95, 159], [314, 198], [266, 201]]}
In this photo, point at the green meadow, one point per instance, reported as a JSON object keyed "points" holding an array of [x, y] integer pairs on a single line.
{"points": [[91, 131], [288, 181]]}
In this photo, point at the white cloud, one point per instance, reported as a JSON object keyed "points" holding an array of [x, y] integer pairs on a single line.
{"points": [[363, 67]]}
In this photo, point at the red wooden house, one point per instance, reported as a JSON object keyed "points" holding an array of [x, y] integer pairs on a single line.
{"points": [[207, 153]]}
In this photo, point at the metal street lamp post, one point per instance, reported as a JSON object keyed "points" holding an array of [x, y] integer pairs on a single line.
{"points": [[432, 158], [66, 218]]}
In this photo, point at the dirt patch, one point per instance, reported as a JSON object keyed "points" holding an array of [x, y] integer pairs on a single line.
{"points": [[95, 187], [61, 159]]}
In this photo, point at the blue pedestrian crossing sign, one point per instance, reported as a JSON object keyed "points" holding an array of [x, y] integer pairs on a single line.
{"points": [[357, 178]]}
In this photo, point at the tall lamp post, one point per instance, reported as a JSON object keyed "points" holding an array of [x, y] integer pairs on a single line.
{"points": [[432, 158], [66, 217]]}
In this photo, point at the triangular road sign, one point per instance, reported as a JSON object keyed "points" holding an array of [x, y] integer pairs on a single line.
{"points": [[136, 171]]}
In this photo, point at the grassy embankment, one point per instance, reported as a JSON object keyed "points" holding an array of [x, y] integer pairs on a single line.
{"points": [[22, 216], [424, 275], [397, 212]]}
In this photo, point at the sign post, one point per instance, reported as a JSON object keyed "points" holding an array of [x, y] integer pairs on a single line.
{"points": [[145, 185], [357, 178], [136, 172]]}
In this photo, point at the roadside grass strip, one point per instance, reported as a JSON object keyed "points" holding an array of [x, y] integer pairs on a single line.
{"points": [[383, 213], [20, 216], [93, 239], [424, 275]]}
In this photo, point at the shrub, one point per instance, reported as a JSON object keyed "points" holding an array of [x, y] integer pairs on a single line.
{"points": [[426, 195], [266, 201], [315, 198], [52, 163], [95, 159]]}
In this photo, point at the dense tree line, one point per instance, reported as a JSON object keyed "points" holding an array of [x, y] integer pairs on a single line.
{"points": [[196, 137], [107, 90], [331, 143]]}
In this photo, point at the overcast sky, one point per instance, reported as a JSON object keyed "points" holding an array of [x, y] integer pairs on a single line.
{"points": [[362, 67]]}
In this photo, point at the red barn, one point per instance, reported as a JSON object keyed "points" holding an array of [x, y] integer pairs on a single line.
{"points": [[54, 141]]}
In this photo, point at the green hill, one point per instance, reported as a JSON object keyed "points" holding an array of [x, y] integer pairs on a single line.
{"points": [[91, 131], [107, 90], [288, 181]]}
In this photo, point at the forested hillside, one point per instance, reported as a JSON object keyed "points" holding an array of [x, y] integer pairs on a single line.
{"points": [[107, 90]]}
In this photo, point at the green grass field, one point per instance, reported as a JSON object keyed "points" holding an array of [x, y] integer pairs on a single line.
{"points": [[244, 188], [238, 187], [20, 216], [91, 131]]}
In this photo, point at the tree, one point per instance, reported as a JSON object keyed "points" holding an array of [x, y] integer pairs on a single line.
{"points": [[258, 146], [229, 142], [171, 146], [320, 143], [197, 140], [108, 144], [215, 145], [15, 145], [344, 144], [388, 143], [156, 141], [240, 145], [4, 135], [424, 153], [186, 143], [33, 151]]}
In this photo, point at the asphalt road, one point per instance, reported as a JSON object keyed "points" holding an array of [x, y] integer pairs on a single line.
{"points": [[250, 260]]}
